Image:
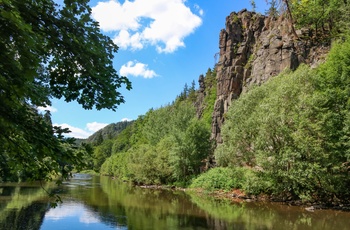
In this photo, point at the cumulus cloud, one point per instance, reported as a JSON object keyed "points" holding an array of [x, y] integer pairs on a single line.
{"points": [[161, 23], [82, 133], [49, 108], [137, 69], [125, 40]]}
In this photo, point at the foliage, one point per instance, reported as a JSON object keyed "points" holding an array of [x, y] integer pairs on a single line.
{"points": [[149, 164], [253, 5], [272, 11], [224, 178], [49, 51], [101, 153], [318, 14], [121, 142], [164, 146], [188, 93], [116, 165], [210, 96], [191, 147], [294, 131], [228, 178], [325, 17]]}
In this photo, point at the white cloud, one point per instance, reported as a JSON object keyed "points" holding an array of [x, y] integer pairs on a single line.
{"points": [[113, 16], [49, 108], [82, 133], [95, 126], [126, 119], [75, 132], [161, 23], [137, 69], [124, 40]]}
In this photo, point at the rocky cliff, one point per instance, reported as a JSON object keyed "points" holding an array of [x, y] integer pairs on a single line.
{"points": [[254, 48]]}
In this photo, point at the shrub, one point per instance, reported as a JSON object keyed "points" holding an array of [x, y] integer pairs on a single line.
{"points": [[220, 178]]}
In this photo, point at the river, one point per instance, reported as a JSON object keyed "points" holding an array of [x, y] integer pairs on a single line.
{"points": [[93, 202]]}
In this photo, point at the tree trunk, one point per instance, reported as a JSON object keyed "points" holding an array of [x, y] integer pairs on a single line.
{"points": [[289, 12]]}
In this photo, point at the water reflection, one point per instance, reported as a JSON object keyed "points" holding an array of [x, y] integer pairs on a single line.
{"points": [[103, 203], [21, 207], [75, 215]]}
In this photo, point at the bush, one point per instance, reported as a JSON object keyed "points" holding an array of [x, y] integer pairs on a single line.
{"points": [[220, 178], [116, 165]]}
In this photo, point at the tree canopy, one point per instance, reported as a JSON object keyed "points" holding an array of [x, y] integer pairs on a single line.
{"points": [[326, 17], [49, 51]]}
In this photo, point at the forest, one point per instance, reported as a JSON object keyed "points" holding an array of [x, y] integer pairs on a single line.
{"points": [[288, 138]]}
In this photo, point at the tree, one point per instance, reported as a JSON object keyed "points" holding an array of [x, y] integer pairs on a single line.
{"points": [[285, 6], [99, 139], [326, 17], [253, 4], [101, 153], [49, 51], [192, 146], [192, 92], [272, 11]]}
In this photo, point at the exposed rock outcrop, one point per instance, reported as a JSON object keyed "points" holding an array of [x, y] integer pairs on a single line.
{"points": [[254, 48]]}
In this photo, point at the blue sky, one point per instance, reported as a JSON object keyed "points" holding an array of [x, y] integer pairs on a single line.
{"points": [[163, 44]]}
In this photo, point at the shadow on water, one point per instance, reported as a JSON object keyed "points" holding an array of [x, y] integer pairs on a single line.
{"points": [[102, 203]]}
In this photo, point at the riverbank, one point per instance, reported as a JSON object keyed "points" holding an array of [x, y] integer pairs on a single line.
{"points": [[239, 196]]}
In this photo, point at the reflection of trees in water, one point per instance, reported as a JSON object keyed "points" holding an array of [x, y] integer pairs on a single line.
{"points": [[152, 208], [22, 206], [119, 204], [224, 214], [30, 217]]}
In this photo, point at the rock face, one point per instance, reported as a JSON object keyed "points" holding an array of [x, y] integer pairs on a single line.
{"points": [[254, 48]]}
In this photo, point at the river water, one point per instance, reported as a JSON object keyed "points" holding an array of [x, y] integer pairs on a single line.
{"points": [[91, 202]]}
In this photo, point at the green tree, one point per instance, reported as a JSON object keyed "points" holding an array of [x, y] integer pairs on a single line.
{"points": [[272, 11], [122, 141], [192, 96], [285, 6], [192, 147], [325, 17], [253, 5], [49, 51], [210, 97], [101, 153], [99, 139], [293, 131]]}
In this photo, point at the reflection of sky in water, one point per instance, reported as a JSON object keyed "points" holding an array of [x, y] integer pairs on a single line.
{"points": [[72, 215]]}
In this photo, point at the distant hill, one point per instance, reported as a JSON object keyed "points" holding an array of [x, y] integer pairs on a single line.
{"points": [[108, 132]]}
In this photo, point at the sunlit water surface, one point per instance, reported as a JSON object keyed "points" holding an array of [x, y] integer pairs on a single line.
{"points": [[102, 203]]}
